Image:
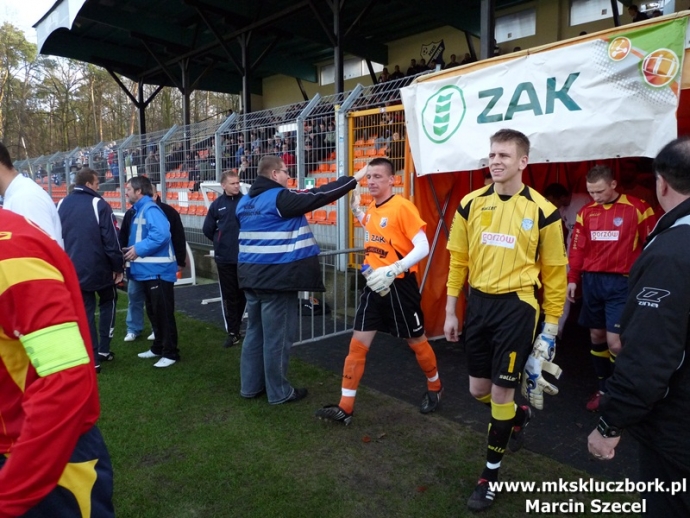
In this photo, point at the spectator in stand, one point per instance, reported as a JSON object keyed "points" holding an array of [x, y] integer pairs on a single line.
{"points": [[89, 229], [49, 396], [607, 238], [221, 227], [288, 157], [24, 196], [309, 158], [397, 74], [656, 13], [384, 76], [422, 66], [396, 151], [329, 139], [467, 59], [568, 205], [636, 14], [412, 69], [452, 63]]}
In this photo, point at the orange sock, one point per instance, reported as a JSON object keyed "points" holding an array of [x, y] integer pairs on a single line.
{"points": [[352, 373], [427, 361]]}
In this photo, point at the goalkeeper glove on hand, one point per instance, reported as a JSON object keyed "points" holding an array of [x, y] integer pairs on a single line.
{"points": [[541, 360], [381, 278]]}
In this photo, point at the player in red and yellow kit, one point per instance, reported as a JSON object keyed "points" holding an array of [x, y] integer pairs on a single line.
{"points": [[394, 243], [608, 237], [53, 461]]}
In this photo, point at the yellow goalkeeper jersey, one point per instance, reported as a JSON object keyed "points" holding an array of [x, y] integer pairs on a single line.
{"points": [[508, 244]]}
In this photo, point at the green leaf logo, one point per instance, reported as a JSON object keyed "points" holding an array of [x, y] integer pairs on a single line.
{"points": [[443, 113]]}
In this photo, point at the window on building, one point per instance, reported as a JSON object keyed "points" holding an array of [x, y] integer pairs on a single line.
{"points": [[516, 25], [586, 11], [352, 68]]}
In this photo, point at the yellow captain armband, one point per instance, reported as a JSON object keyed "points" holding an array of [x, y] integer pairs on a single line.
{"points": [[55, 348]]}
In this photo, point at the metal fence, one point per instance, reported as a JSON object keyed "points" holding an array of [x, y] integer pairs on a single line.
{"points": [[317, 140], [331, 313]]}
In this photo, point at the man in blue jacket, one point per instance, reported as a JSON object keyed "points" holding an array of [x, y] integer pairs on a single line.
{"points": [[152, 262], [89, 230], [278, 257], [221, 227]]}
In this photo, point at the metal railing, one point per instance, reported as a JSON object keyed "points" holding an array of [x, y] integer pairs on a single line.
{"points": [[338, 303]]}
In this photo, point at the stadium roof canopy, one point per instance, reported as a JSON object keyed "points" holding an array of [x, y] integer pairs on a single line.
{"points": [[209, 44]]}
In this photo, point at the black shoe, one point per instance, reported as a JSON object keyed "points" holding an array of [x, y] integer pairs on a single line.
{"points": [[98, 369], [482, 497], [430, 401], [297, 394], [106, 357], [517, 438], [334, 413], [231, 340]]}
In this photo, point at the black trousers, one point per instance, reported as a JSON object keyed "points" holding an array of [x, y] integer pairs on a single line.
{"points": [[661, 504], [107, 300], [232, 297], [160, 307]]}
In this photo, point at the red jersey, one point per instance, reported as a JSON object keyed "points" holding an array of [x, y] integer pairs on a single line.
{"points": [[48, 392], [609, 238]]}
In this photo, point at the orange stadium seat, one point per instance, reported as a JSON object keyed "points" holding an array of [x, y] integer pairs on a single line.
{"points": [[323, 168], [332, 217], [321, 181], [398, 180], [333, 167], [319, 216]]}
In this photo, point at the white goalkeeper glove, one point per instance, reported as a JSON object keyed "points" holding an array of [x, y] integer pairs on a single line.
{"points": [[381, 278], [355, 201], [541, 360]]}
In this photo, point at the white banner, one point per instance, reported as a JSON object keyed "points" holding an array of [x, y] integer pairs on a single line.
{"points": [[611, 97]]}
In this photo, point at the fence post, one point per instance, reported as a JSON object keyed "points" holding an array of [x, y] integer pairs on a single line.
{"points": [[219, 156], [342, 156], [161, 151], [299, 151], [121, 169]]}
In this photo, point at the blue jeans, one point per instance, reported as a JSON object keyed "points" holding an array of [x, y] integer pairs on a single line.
{"points": [[271, 330], [135, 308]]}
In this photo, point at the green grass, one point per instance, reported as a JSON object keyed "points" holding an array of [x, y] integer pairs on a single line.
{"points": [[185, 444]]}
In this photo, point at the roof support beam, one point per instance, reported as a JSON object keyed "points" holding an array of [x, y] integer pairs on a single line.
{"points": [[361, 15], [219, 38], [488, 28], [163, 66], [615, 14]]}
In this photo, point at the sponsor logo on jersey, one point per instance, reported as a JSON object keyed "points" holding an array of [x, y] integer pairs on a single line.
{"points": [[373, 250], [618, 221], [651, 297], [527, 224], [384, 222], [4, 236], [604, 235], [502, 240], [377, 239], [489, 208]]}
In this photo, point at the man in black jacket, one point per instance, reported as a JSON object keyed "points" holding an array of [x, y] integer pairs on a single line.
{"points": [[221, 227], [135, 290], [89, 230], [649, 392], [278, 257]]}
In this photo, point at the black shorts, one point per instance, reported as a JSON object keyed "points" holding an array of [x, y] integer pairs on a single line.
{"points": [[398, 313], [498, 334]]}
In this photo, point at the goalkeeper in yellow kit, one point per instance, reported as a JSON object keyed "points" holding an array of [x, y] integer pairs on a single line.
{"points": [[509, 239]]}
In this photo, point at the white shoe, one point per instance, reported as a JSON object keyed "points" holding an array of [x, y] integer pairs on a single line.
{"points": [[152, 336], [130, 337], [148, 354], [164, 362]]}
